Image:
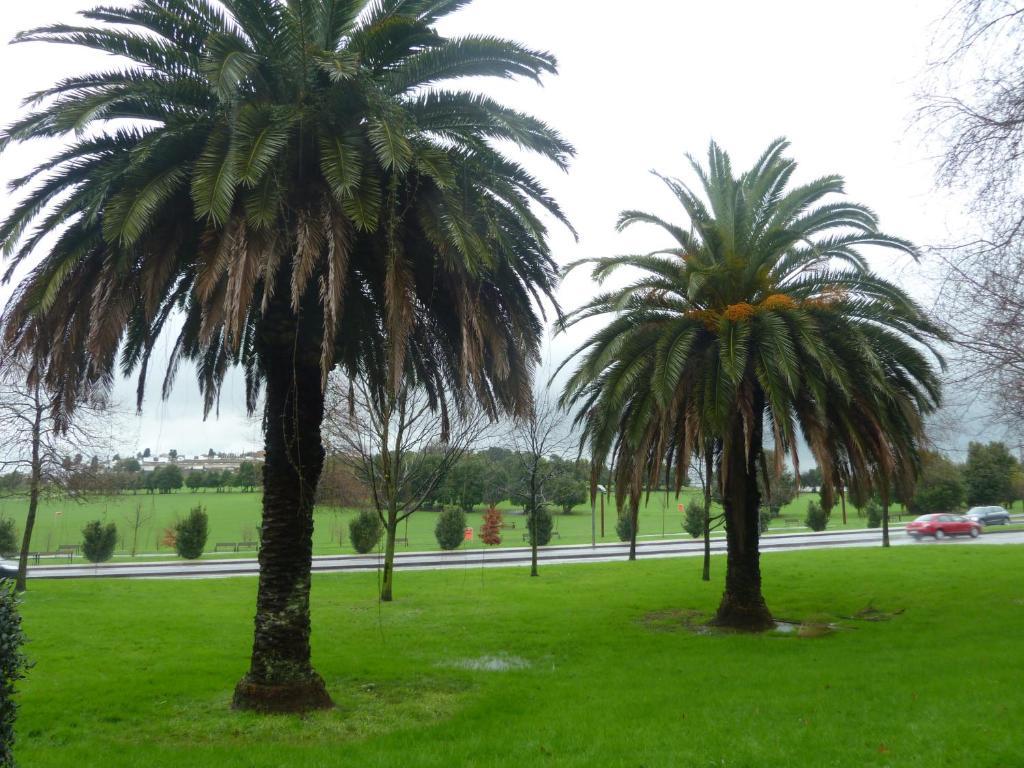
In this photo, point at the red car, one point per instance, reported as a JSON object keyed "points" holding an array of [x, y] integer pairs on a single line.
{"points": [[941, 526]]}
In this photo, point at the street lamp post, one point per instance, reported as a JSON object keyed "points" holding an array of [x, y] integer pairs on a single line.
{"points": [[593, 520], [593, 516]]}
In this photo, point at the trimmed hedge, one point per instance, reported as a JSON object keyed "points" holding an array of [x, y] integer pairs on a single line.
{"points": [[450, 529]]}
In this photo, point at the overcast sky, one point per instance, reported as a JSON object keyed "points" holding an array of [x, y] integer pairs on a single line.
{"points": [[637, 90]]}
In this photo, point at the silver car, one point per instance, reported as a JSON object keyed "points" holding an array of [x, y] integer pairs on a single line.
{"points": [[988, 515]]}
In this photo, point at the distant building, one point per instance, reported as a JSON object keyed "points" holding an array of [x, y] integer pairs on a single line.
{"points": [[219, 462]]}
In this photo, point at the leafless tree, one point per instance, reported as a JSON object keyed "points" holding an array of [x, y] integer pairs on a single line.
{"points": [[136, 520], [704, 467], [544, 433], [401, 445], [43, 448], [973, 104]]}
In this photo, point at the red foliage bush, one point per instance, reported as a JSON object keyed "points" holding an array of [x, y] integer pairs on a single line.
{"points": [[490, 533]]}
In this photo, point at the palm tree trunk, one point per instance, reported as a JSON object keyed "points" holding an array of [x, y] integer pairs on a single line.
{"points": [[885, 524], [706, 573], [388, 581], [281, 677], [708, 469], [634, 515], [743, 607]]}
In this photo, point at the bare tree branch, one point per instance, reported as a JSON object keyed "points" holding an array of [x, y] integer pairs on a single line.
{"points": [[398, 445]]}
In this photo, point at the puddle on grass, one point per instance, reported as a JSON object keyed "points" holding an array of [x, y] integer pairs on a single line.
{"points": [[491, 663], [696, 622], [806, 628], [870, 613]]}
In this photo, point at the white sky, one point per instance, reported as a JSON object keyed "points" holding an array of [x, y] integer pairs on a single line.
{"points": [[637, 89]]}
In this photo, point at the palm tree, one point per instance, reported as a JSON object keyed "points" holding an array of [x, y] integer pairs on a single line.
{"points": [[290, 186], [762, 315]]}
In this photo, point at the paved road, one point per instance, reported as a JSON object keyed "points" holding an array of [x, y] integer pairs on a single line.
{"points": [[506, 557]]}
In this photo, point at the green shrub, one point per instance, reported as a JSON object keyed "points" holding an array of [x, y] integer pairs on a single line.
{"points": [[365, 531], [98, 541], [624, 528], [873, 510], [817, 517], [764, 519], [540, 525], [12, 668], [693, 522], [190, 534], [450, 529], [8, 537]]}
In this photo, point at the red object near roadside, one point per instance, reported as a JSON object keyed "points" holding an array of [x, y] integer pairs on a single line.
{"points": [[941, 526]]}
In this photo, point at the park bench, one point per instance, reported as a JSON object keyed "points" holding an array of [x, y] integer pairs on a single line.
{"points": [[36, 557], [509, 525], [246, 545], [227, 546], [68, 549], [402, 540]]}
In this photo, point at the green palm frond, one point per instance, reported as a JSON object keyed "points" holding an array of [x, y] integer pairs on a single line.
{"points": [[765, 297], [286, 151]]}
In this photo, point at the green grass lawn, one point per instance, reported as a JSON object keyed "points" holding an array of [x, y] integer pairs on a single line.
{"points": [[234, 517], [139, 673]]}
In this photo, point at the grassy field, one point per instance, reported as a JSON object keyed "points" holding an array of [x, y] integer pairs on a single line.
{"points": [[234, 517], [585, 666]]}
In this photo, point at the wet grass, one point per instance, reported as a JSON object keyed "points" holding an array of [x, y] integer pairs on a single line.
{"points": [[600, 667]]}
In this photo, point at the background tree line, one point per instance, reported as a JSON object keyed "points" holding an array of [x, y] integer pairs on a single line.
{"points": [[486, 476]]}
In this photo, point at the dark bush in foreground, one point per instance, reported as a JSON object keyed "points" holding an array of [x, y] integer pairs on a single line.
{"points": [[365, 531], [12, 668], [624, 528], [540, 525], [8, 537], [98, 541], [190, 534], [450, 528], [693, 522], [817, 518], [873, 510]]}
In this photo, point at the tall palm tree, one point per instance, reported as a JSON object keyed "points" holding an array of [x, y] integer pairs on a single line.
{"points": [[762, 315], [289, 186]]}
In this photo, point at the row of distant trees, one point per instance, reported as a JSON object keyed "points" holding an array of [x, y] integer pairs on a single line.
{"points": [[483, 477], [127, 476], [990, 475]]}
